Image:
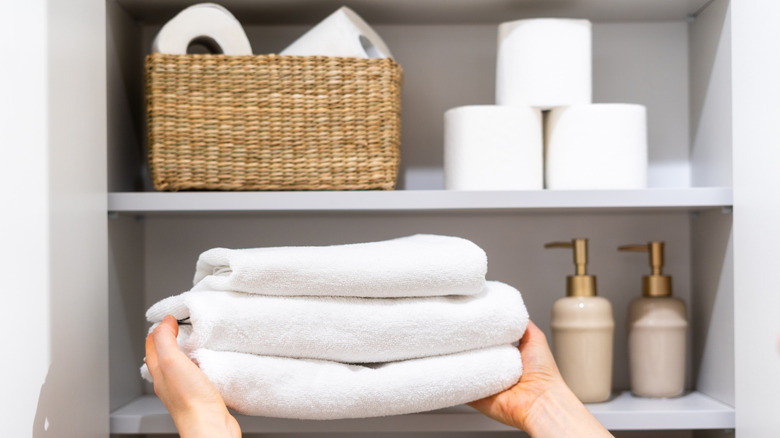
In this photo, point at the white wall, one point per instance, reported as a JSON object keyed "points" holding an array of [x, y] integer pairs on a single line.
{"points": [[24, 222]]}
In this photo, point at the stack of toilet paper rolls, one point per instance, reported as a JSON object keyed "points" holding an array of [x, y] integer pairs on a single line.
{"points": [[544, 130]]}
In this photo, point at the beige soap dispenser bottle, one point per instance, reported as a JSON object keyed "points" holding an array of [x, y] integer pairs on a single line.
{"points": [[657, 331], [583, 331]]}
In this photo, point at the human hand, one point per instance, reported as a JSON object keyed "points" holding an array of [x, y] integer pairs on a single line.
{"points": [[540, 403], [192, 400]]}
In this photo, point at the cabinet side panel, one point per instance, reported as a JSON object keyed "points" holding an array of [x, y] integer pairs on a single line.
{"points": [[127, 325], [710, 78], [756, 69], [712, 305], [74, 399], [125, 113]]}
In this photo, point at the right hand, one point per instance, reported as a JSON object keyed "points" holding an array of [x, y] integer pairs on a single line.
{"points": [[540, 403]]}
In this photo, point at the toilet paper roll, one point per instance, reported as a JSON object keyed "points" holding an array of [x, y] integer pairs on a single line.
{"points": [[544, 63], [597, 146], [491, 147], [343, 33], [208, 23]]}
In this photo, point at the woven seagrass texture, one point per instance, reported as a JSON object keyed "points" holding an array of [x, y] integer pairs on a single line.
{"points": [[272, 122]]}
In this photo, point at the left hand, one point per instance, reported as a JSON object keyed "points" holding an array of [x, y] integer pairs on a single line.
{"points": [[193, 401]]}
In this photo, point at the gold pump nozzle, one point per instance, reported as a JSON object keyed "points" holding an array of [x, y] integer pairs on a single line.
{"points": [[580, 284], [656, 284]]}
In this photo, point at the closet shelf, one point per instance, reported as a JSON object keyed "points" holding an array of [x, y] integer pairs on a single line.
{"points": [[690, 199], [147, 415]]}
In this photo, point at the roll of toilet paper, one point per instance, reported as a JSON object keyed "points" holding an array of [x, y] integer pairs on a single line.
{"points": [[544, 63], [491, 147], [207, 23], [597, 146], [343, 33]]}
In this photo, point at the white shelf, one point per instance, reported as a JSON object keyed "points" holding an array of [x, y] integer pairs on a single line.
{"points": [[429, 11], [624, 412], [691, 411], [423, 200]]}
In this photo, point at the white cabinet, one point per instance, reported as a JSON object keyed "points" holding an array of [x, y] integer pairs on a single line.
{"points": [[678, 57], [649, 52]]}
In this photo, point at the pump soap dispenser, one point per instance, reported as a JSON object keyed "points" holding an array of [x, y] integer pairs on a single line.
{"points": [[583, 331], [657, 330]]}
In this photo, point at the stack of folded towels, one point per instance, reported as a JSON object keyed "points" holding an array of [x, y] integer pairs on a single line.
{"points": [[349, 331]]}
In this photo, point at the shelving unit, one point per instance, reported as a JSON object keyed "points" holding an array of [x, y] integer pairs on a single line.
{"points": [[645, 51], [88, 248]]}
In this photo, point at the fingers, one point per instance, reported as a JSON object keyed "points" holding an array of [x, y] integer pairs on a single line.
{"points": [[533, 335], [151, 357], [161, 345], [164, 336], [483, 405], [531, 332], [497, 407], [169, 324]]}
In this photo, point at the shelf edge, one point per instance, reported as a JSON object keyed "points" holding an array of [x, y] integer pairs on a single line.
{"points": [[694, 411], [422, 200]]}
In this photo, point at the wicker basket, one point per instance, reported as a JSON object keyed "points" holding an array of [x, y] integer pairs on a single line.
{"points": [[272, 122]]}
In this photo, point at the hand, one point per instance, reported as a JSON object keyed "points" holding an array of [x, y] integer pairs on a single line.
{"points": [[540, 403], [192, 400]]}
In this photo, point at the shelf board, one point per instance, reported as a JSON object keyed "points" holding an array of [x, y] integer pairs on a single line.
{"points": [[147, 415], [428, 11], [690, 199]]}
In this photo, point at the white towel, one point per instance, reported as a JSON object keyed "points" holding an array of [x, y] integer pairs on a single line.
{"points": [[322, 390], [346, 329], [419, 265]]}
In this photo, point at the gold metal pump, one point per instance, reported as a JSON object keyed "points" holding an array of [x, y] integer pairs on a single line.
{"points": [[656, 284], [580, 284]]}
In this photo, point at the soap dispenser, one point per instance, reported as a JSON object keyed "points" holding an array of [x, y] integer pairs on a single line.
{"points": [[583, 331], [657, 331]]}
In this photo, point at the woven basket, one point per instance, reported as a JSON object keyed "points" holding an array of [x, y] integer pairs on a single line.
{"points": [[272, 122]]}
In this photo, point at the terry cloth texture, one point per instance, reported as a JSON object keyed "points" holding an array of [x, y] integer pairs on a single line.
{"points": [[412, 266]]}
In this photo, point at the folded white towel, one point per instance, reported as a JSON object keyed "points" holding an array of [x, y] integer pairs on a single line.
{"points": [[346, 329], [419, 265], [322, 390]]}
